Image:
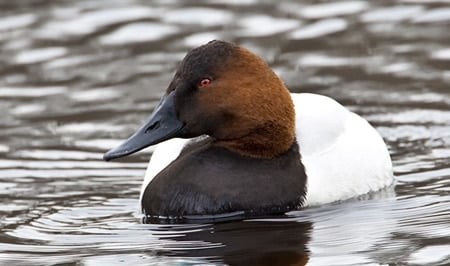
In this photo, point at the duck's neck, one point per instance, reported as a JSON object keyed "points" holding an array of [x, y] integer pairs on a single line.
{"points": [[265, 142]]}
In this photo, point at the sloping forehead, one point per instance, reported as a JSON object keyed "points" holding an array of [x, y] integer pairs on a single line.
{"points": [[206, 59]]}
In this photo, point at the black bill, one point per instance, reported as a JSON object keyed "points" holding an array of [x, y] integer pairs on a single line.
{"points": [[162, 124]]}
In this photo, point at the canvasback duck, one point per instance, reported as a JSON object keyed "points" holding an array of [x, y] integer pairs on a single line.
{"points": [[234, 141]]}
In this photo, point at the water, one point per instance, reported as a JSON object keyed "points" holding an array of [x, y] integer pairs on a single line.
{"points": [[76, 78]]}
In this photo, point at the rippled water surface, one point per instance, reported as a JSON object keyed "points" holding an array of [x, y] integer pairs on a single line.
{"points": [[77, 77]]}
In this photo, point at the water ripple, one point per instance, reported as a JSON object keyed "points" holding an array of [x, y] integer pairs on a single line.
{"points": [[200, 16], [17, 21], [39, 55], [257, 26], [333, 9], [320, 29], [90, 22], [31, 92], [395, 13], [138, 32]]}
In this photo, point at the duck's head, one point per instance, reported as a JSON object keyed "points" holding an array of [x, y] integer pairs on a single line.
{"points": [[224, 91]]}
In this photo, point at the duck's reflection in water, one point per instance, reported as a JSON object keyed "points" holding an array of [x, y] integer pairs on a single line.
{"points": [[250, 243]]}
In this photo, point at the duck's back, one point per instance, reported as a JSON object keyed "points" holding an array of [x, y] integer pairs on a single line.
{"points": [[343, 155]]}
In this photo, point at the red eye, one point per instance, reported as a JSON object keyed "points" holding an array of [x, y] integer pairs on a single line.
{"points": [[204, 83]]}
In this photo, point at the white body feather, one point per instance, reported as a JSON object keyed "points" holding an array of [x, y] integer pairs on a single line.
{"points": [[344, 156]]}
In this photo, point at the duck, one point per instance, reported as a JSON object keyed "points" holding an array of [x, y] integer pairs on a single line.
{"points": [[231, 139]]}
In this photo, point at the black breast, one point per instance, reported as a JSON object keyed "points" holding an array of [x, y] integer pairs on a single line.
{"points": [[210, 180]]}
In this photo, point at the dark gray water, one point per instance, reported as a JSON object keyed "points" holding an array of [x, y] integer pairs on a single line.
{"points": [[77, 77]]}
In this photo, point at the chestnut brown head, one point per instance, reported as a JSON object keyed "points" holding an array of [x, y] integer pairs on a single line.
{"points": [[228, 93]]}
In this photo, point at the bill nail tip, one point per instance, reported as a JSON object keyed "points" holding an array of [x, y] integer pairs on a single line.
{"points": [[107, 157]]}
